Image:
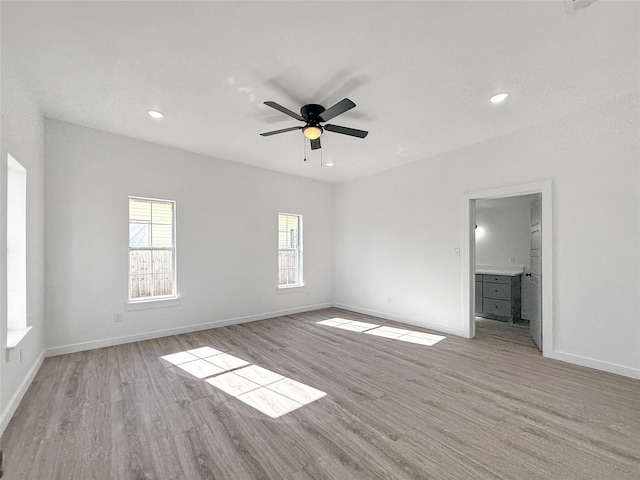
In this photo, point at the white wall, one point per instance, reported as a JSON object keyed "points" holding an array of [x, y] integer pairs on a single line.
{"points": [[505, 230], [23, 138], [396, 231], [226, 237]]}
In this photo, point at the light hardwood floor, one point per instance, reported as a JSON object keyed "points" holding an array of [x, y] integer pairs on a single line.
{"points": [[460, 409]]}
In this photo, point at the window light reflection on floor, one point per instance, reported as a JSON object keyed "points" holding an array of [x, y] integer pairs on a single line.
{"points": [[266, 391], [401, 334]]}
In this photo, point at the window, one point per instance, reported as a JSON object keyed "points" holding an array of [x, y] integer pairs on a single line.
{"points": [[16, 245], [152, 253], [289, 250]]}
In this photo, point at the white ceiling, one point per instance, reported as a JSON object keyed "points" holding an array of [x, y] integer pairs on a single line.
{"points": [[421, 73]]}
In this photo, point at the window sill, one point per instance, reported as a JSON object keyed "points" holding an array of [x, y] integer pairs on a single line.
{"points": [[147, 304], [290, 289], [15, 336]]}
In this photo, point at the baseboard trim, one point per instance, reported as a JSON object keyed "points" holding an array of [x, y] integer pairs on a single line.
{"points": [[458, 332], [78, 347], [109, 342], [595, 364], [12, 406]]}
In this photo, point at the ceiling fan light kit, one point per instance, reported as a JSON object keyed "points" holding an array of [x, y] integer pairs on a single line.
{"points": [[313, 114], [312, 132]]}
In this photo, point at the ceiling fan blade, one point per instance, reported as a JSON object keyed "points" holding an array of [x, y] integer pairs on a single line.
{"points": [[285, 111], [315, 144], [340, 107], [266, 134], [345, 130]]}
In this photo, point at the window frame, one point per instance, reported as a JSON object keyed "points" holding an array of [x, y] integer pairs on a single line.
{"points": [[156, 299], [16, 247], [299, 250]]}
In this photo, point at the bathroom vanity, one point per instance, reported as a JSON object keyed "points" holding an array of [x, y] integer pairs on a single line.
{"points": [[499, 293]]}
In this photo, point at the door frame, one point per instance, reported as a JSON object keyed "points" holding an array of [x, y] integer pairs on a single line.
{"points": [[545, 189]]}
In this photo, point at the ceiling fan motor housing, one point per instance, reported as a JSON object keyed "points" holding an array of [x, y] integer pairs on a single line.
{"points": [[311, 113]]}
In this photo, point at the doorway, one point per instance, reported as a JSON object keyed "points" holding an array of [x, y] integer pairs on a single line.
{"points": [[546, 260], [507, 252]]}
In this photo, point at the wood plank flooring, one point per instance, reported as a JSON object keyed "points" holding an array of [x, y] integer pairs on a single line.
{"points": [[460, 409], [518, 333]]}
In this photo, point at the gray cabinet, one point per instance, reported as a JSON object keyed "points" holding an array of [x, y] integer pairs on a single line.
{"points": [[499, 297]]}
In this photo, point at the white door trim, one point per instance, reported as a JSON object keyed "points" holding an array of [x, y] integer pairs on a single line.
{"points": [[545, 188]]}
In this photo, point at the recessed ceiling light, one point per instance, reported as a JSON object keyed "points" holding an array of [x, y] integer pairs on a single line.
{"points": [[329, 164], [155, 114], [500, 97]]}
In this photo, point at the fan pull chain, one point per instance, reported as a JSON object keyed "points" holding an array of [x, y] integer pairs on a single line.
{"points": [[321, 163], [304, 148]]}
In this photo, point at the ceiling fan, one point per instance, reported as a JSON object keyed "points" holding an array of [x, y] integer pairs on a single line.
{"points": [[313, 115]]}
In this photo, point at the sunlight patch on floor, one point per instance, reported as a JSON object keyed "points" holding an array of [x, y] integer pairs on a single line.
{"points": [[266, 391], [401, 334]]}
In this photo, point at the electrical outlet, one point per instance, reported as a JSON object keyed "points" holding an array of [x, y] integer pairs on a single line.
{"points": [[456, 252], [117, 317]]}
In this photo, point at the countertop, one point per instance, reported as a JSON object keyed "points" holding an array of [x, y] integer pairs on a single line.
{"points": [[510, 270]]}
